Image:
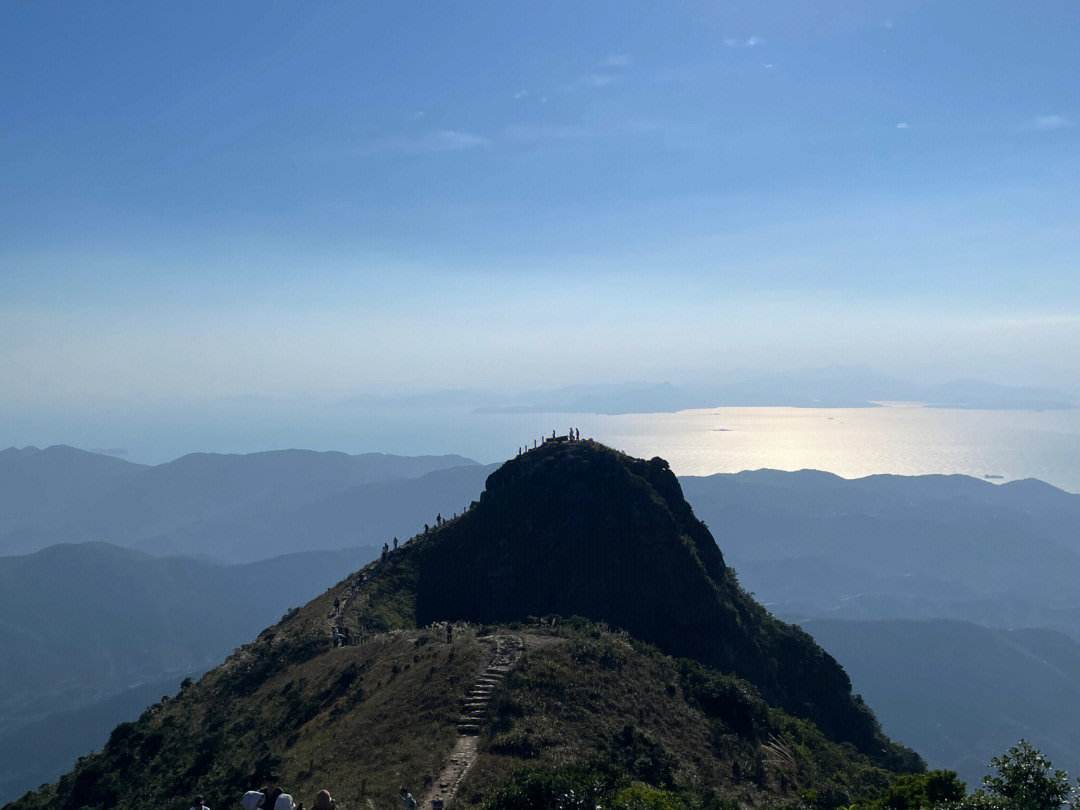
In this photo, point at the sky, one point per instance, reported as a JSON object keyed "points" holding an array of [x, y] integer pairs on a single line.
{"points": [[209, 201]]}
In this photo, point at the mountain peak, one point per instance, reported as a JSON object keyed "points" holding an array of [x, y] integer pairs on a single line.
{"points": [[579, 529]]}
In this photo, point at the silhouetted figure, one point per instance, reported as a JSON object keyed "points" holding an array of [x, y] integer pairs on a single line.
{"points": [[449, 633], [270, 802], [534, 444], [324, 801], [438, 519], [395, 544]]}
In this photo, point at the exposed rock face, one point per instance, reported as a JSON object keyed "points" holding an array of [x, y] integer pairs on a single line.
{"points": [[575, 528]]}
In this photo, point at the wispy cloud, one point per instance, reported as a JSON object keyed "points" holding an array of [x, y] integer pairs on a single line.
{"points": [[535, 133], [617, 60], [594, 81], [903, 125], [443, 140], [1047, 123], [751, 41], [520, 94]]}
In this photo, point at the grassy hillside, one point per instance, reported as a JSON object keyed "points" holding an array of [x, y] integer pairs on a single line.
{"points": [[366, 718]]}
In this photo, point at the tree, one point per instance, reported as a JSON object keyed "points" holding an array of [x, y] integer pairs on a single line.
{"points": [[914, 790], [1025, 780]]}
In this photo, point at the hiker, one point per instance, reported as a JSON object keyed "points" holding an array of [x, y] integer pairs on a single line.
{"points": [[395, 544], [324, 802], [198, 805], [449, 632], [407, 800], [278, 799], [252, 799]]}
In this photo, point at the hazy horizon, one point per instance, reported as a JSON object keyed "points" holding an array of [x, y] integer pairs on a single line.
{"points": [[299, 201]]}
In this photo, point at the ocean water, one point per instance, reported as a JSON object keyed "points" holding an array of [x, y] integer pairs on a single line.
{"points": [[851, 442]]}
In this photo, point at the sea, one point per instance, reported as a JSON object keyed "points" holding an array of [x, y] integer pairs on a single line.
{"points": [[893, 437], [900, 438]]}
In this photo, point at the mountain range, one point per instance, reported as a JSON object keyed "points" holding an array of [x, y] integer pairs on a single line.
{"points": [[235, 508], [695, 691], [812, 544], [959, 693], [993, 560]]}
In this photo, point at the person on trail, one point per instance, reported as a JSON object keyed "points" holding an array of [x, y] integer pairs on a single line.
{"points": [[198, 804], [270, 798], [252, 799], [283, 801], [407, 800], [324, 802]]}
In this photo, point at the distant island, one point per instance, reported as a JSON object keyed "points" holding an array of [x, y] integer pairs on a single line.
{"points": [[819, 388]]}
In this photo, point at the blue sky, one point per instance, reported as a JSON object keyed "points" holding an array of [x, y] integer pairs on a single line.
{"points": [[293, 199]]}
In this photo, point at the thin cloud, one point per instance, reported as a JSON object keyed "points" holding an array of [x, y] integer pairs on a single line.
{"points": [[535, 133], [903, 125], [751, 41], [1048, 123], [443, 140], [520, 94], [617, 60], [598, 80]]}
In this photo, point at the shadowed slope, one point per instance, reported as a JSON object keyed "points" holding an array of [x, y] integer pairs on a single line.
{"points": [[576, 528]]}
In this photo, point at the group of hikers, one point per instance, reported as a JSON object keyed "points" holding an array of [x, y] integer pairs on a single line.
{"points": [[573, 435], [278, 799]]}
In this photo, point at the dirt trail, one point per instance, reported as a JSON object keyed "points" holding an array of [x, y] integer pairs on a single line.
{"points": [[474, 712]]}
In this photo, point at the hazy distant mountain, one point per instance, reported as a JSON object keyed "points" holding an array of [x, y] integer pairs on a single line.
{"points": [[813, 544], [36, 485], [958, 693], [367, 514], [839, 387], [82, 622], [43, 749], [235, 507]]}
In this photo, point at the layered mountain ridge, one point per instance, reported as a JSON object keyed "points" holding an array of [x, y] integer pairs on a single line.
{"points": [[571, 529]]}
